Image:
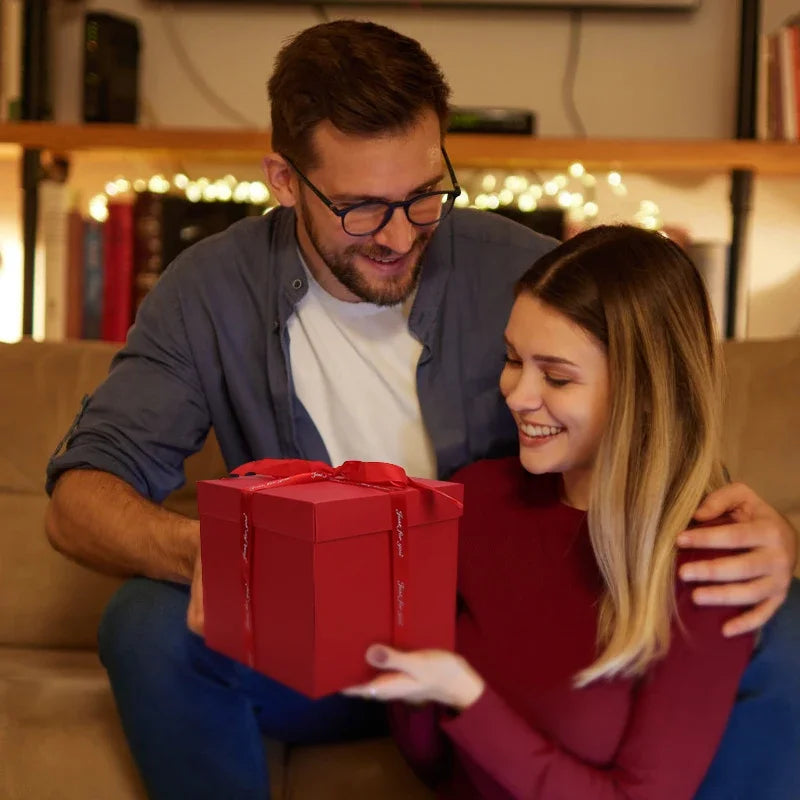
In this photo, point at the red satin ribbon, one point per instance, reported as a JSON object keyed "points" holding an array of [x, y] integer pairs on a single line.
{"points": [[371, 475]]}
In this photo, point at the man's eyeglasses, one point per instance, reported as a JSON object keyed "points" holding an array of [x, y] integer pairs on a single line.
{"points": [[368, 217]]}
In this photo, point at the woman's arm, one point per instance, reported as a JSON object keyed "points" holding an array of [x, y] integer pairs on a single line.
{"points": [[677, 719]]}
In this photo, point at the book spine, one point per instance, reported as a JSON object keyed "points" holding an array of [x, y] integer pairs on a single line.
{"points": [[74, 274], [787, 81], [774, 112], [762, 91], [53, 210], [148, 222], [118, 272], [92, 279], [11, 14], [795, 36]]}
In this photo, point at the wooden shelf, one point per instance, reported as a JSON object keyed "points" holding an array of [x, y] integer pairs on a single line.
{"points": [[466, 150]]}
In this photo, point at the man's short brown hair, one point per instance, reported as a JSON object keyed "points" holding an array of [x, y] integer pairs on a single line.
{"points": [[364, 78]]}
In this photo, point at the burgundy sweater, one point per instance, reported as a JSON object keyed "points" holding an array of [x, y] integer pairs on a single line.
{"points": [[528, 592]]}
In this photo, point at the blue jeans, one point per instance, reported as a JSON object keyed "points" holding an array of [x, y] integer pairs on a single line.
{"points": [[759, 756], [194, 719]]}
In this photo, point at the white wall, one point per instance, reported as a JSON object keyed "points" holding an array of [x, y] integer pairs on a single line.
{"points": [[640, 75]]}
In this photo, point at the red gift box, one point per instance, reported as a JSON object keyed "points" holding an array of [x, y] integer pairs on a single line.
{"points": [[305, 566]]}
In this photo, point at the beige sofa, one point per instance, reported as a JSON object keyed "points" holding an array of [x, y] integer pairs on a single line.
{"points": [[59, 734]]}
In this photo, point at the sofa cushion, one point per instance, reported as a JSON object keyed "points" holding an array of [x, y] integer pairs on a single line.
{"points": [[60, 736], [56, 717], [368, 769], [46, 600], [761, 432], [45, 383]]}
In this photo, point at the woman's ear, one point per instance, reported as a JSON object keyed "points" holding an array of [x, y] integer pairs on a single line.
{"points": [[280, 179]]}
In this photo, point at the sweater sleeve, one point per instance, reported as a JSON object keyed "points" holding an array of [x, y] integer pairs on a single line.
{"points": [[150, 413], [677, 719]]}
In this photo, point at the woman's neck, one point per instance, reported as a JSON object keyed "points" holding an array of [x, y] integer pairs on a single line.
{"points": [[575, 488]]}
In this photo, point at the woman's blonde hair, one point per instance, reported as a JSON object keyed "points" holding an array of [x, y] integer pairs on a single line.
{"points": [[638, 294]]}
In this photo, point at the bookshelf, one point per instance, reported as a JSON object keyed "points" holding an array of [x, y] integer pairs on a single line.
{"points": [[650, 156]]}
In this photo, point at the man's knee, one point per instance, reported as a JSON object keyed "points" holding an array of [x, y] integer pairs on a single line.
{"points": [[142, 617], [777, 656]]}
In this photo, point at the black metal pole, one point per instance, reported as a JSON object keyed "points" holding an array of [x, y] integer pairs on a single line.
{"points": [[35, 106], [741, 179]]}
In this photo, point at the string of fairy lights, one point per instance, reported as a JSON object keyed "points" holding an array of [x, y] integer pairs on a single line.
{"points": [[574, 190]]}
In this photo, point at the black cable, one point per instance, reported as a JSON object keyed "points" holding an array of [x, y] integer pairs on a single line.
{"points": [[322, 12], [571, 73], [193, 74]]}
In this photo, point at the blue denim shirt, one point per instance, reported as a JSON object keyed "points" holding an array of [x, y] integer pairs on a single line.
{"points": [[210, 347]]}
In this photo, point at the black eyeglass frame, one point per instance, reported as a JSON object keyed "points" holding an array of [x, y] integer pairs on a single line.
{"points": [[391, 206]]}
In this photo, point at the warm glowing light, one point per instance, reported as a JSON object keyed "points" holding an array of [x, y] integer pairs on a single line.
{"points": [[98, 208], [223, 190], [648, 208], [591, 209], [516, 183], [651, 223], [489, 182], [614, 179], [526, 202], [241, 194], [258, 192], [194, 192], [577, 169], [158, 184]]}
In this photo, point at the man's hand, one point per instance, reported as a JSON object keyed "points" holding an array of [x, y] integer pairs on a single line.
{"points": [[194, 615], [420, 677], [760, 577]]}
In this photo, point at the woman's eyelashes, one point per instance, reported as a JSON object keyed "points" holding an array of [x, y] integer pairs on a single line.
{"points": [[513, 360], [557, 382]]}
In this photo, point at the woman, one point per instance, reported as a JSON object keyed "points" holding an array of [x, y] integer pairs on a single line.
{"points": [[583, 668]]}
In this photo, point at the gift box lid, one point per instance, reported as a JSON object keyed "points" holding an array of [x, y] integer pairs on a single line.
{"points": [[325, 510]]}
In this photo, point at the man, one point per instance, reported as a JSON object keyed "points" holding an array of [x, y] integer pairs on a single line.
{"points": [[361, 320]]}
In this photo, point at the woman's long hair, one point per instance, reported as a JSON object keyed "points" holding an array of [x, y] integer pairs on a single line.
{"points": [[638, 294]]}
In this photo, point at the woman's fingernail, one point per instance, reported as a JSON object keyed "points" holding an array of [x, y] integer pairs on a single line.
{"points": [[377, 655]]}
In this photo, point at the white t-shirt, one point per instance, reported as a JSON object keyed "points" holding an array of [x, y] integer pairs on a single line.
{"points": [[354, 367]]}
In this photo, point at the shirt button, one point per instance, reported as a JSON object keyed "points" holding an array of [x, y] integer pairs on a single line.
{"points": [[297, 283], [276, 325]]}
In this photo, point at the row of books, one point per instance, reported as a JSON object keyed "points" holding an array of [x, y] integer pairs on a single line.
{"points": [[96, 274], [779, 90]]}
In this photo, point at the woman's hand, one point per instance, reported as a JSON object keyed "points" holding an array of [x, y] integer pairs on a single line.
{"points": [[420, 677]]}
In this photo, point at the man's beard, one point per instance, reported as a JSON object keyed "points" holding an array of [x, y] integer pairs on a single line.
{"points": [[388, 292]]}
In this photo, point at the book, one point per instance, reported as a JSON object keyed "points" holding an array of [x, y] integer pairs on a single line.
{"points": [[117, 314], [91, 321], [75, 225], [52, 236], [774, 96], [166, 224], [787, 55], [11, 29]]}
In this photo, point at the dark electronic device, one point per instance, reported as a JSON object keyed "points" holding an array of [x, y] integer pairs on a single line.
{"points": [[110, 69]]}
